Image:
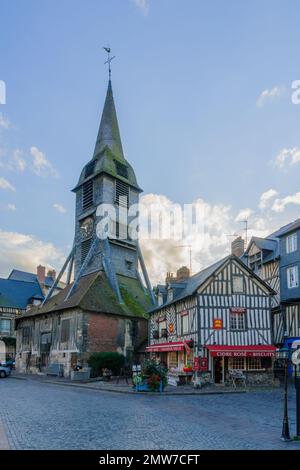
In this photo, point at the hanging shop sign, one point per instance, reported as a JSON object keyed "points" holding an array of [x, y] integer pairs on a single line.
{"points": [[218, 323]]}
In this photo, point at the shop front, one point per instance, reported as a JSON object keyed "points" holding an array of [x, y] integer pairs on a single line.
{"points": [[254, 362], [178, 357]]}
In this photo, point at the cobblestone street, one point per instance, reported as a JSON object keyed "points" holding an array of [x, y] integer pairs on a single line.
{"points": [[45, 416]]}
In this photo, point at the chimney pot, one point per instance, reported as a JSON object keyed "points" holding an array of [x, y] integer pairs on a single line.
{"points": [[41, 273]]}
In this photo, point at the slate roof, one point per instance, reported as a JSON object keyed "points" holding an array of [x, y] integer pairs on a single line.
{"points": [[195, 281], [18, 275], [108, 148], [94, 294], [18, 293]]}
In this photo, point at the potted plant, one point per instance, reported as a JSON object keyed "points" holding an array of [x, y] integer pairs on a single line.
{"points": [[188, 368]]}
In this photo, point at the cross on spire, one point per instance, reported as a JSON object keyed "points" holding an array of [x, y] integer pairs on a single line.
{"points": [[109, 59]]}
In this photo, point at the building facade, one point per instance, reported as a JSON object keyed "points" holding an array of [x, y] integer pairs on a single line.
{"points": [[104, 305], [219, 321], [276, 259]]}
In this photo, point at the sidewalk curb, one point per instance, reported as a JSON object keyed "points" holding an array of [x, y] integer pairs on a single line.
{"points": [[132, 392]]}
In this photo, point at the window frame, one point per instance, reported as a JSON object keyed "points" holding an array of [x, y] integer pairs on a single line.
{"points": [[63, 331], [231, 361], [291, 243], [289, 271], [236, 316], [5, 331], [184, 317]]}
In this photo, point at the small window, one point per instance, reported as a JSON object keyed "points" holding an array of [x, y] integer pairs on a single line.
{"points": [[184, 324], [121, 169], [162, 328], [5, 326], [291, 243], [89, 169], [129, 264], [87, 194], [26, 335], [65, 331], [237, 321], [237, 284], [236, 363], [85, 248], [292, 277]]}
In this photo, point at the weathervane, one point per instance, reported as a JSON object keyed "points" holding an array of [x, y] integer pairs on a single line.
{"points": [[109, 59]]}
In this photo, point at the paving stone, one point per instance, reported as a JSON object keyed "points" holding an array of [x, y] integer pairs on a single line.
{"points": [[47, 416]]}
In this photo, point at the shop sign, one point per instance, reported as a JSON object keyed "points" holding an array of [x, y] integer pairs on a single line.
{"points": [[243, 353], [238, 310], [218, 323], [171, 328], [200, 364]]}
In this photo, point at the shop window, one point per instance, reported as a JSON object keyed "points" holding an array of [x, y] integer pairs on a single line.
{"points": [[254, 363], [184, 324], [236, 363], [237, 321], [172, 360]]}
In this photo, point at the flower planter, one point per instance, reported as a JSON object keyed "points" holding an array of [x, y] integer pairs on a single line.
{"points": [[144, 387]]}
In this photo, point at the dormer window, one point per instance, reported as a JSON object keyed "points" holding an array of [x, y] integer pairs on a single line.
{"points": [[121, 169], [291, 243]]}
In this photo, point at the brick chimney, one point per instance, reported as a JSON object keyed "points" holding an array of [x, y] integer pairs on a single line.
{"points": [[52, 273], [41, 273], [238, 247], [182, 274]]}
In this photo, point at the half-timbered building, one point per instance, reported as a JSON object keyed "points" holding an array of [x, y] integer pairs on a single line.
{"points": [[219, 320], [276, 259]]}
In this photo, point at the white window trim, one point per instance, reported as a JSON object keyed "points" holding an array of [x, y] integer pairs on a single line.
{"points": [[289, 270], [291, 243]]}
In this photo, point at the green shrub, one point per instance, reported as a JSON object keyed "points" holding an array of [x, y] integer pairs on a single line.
{"points": [[105, 360]]}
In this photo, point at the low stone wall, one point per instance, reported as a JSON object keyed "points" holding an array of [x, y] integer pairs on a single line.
{"points": [[258, 378]]}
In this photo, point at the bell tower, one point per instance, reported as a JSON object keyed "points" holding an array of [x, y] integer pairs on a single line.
{"points": [[107, 179]]}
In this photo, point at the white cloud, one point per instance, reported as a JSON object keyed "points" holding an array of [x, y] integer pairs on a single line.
{"points": [[143, 6], [22, 251], [40, 165], [266, 197], [269, 95], [59, 208], [4, 122], [19, 162], [11, 207], [288, 156], [279, 204], [243, 214], [4, 184]]}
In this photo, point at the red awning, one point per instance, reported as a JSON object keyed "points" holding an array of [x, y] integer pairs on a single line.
{"points": [[242, 351], [167, 347]]}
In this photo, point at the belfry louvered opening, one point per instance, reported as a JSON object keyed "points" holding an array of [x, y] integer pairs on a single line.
{"points": [[87, 194], [122, 194], [85, 248]]}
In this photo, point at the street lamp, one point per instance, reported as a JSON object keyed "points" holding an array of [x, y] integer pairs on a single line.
{"points": [[284, 354], [296, 362]]}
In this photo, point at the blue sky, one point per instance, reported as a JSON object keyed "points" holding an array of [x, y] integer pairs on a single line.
{"points": [[203, 95]]}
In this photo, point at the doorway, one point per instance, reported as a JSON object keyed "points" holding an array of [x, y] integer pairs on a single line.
{"points": [[218, 370]]}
